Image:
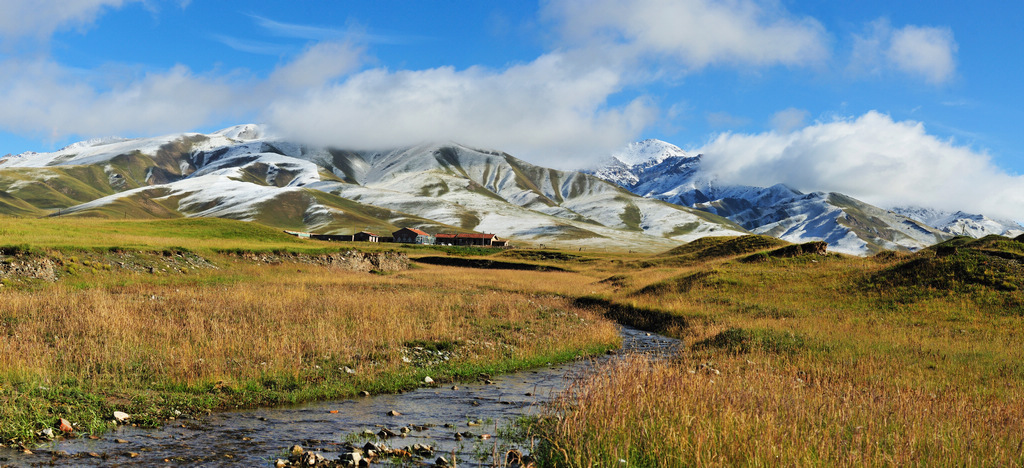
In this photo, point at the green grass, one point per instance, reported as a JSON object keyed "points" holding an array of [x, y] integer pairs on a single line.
{"points": [[712, 248], [191, 233], [631, 216]]}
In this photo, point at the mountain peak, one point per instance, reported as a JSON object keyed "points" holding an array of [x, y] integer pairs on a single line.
{"points": [[244, 132], [650, 150], [92, 142]]}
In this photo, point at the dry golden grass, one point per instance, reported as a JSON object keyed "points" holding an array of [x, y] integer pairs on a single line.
{"points": [[281, 320], [263, 328], [811, 370], [760, 410]]}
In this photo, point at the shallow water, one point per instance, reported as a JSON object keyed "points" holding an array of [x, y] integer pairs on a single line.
{"points": [[258, 437]]}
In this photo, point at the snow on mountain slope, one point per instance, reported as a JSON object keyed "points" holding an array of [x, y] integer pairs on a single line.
{"points": [[663, 171], [962, 224], [473, 188], [240, 173]]}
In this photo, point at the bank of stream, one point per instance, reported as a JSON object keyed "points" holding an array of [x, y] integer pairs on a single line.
{"points": [[463, 423]]}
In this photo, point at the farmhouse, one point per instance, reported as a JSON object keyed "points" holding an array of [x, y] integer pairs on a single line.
{"points": [[412, 236], [444, 239], [485, 240], [364, 236]]}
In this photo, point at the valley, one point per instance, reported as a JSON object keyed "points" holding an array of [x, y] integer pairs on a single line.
{"points": [[829, 358]]}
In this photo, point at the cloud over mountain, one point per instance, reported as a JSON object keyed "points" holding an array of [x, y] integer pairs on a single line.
{"points": [[874, 158]]}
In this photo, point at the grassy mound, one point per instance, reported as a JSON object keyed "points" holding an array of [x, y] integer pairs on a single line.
{"points": [[712, 248], [958, 266], [676, 285], [743, 341], [790, 251], [540, 255]]}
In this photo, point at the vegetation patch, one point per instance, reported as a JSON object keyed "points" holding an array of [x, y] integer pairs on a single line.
{"points": [[631, 215], [711, 248], [964, 271], [743, 341], [680, 230], [540, 255], [677, 285], [790, 251], [637, 317]]}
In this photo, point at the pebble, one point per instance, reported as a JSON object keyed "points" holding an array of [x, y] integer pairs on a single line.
{"points": [[121, 417], [394, 413], [364, 393], [427, 380], [65, 425], [422, 450]]}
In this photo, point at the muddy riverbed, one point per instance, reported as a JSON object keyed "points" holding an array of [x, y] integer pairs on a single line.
{"points": [[258, 437]]}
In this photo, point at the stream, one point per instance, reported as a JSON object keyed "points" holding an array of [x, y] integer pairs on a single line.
{"points": [[258, 437]]}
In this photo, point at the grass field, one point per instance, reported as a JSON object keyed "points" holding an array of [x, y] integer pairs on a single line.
{"points": [[813, 360], [790, 359], [202, 326]]}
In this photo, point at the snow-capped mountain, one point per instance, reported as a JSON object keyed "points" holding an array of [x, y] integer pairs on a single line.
{"points": [[656, 169], [242, 173], [962, 224]]}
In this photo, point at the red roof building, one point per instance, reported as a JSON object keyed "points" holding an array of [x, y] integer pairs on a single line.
{"points": [[412, 236]]}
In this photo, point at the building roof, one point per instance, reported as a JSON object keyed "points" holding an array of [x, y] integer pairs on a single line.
{"points": [[366, 232], [445, 236], [474, 236], [413, 230]]}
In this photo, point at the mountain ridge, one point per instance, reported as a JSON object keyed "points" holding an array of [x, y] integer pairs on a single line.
{"points": [[847, 224], [241, 173]]}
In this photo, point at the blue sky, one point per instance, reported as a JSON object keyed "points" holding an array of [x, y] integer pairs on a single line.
{"points": [[896, 103]]}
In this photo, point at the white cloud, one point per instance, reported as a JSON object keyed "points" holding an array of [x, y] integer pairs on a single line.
{"points": [[695, 32], [45, 99], [550, 106], [872, 158], [41, 97], [317, 65], [926, 52], [787, 120], [40, 18]]}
